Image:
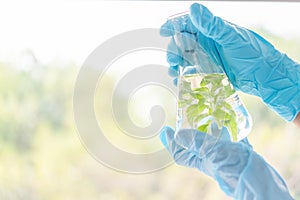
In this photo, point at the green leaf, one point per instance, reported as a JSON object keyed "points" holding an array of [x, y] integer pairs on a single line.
{"points": [[233, 129], [201, 100], [193, 111], [186, 95], [203, 128], [203, 91], [201, 107], [210, 110], [200, 117], [229, 90], [215, 78], [197, 96], [217, 90], [228, 108], [219, 113]]}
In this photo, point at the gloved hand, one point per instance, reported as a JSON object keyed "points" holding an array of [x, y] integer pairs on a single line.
{"points": [[251, 63], [240, 172]]}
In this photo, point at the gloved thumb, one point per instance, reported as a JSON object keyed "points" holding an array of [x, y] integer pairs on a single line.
{"points": [[209, 25], [166, 136], [197, 142]]}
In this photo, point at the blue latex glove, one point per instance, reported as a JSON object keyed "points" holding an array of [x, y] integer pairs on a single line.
{"points": [[240, 172], [251, 63]]}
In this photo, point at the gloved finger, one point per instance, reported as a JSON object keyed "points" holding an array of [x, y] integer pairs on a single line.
{"points": [[173, 71], [167, 137], [167, 29], [246, 142], [226, 136], [186, 41], [212, 26], [209, 46], [180, 154], [195, 141], [182, 24], [189, 71], [175, 81], [174, 55]]}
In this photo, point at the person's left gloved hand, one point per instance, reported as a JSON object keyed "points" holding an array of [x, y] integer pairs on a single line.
{"points": [[240, 172], [252, 64]]}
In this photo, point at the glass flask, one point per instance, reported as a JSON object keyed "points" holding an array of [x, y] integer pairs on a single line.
{"points": [[207, 101]]}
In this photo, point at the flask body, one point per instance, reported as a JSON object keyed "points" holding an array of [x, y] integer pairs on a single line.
{"points": [[207, 101]]}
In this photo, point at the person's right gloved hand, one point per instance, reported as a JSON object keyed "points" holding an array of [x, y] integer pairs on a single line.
{"points": [[240, 172], [251, 63]]}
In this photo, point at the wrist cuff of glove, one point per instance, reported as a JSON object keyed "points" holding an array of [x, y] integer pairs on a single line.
{"points": [[260, 181], [281, 89]]}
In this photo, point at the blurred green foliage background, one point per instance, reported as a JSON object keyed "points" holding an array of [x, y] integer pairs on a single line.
{"points": [[41, 156]]}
